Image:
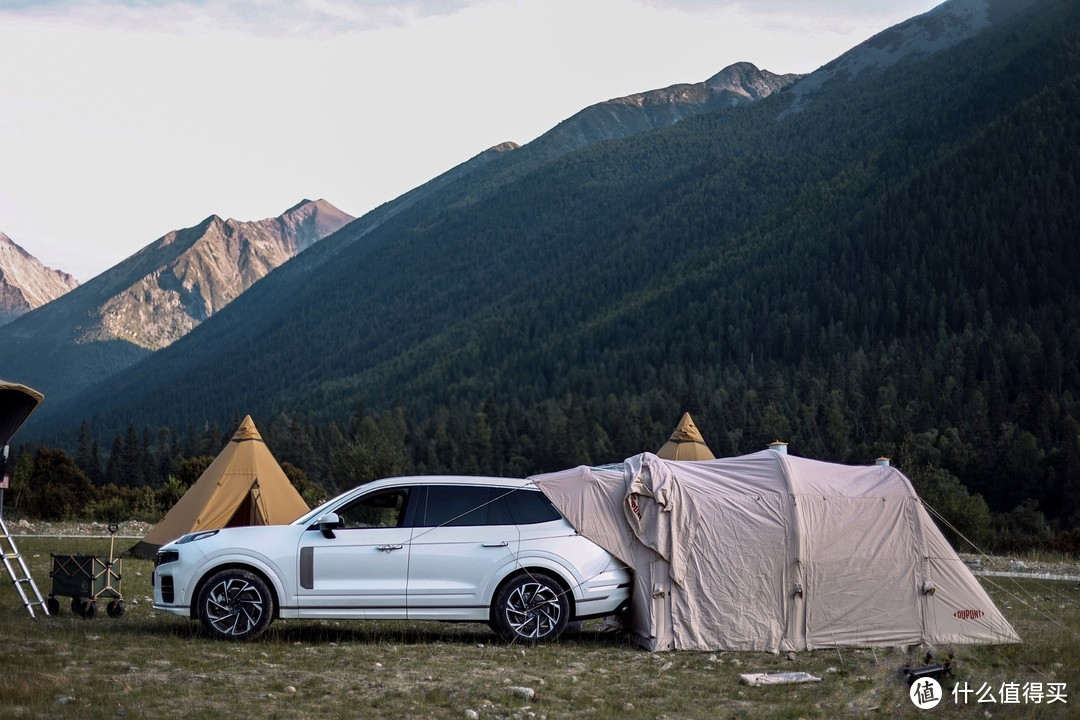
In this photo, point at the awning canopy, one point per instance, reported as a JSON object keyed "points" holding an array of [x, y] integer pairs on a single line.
{"points": [[16, 404]]}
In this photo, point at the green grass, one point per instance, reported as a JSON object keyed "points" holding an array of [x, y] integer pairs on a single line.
{"points": [[151, 665]]}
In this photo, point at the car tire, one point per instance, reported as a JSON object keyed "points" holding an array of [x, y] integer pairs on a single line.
{"points": [[235, 605], [530, 608]]}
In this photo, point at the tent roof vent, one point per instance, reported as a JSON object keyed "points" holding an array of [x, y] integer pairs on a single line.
{"points": [[882, 461], [778, 446]]}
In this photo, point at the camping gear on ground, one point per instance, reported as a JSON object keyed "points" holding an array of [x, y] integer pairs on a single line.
{"points": [[16, 404], [784, 678], [244, 486], [936, 670], [87, 579], [776, 553], [685, 443]]}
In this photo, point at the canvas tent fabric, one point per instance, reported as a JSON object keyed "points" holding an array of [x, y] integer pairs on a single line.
{"points": [[243, 486], [686, 443], [774, 552]]}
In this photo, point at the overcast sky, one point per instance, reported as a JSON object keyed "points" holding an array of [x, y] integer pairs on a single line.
{"points": [[121, 120]]}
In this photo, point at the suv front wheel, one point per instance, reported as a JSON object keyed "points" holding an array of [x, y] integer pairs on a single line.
{"points": [[531, 608], [235, 605]]}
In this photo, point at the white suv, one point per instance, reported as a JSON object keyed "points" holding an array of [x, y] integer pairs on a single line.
{"points": [[491, 550]]}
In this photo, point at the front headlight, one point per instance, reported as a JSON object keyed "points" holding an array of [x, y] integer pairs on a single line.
{"points": [[193, 537], [164, 557]]}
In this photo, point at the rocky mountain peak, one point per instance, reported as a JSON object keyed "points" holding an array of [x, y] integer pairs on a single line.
{"points": [[25, 283], [311, 220], [625, 116], [162, 292], [208, 267], [747, 80]]}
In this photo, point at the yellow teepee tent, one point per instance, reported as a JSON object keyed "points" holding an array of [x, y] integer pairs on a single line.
{"points": [[243, 486], [686, 443]]}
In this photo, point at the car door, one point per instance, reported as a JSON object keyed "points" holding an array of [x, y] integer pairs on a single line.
{"points": [[361, 567], [464, 536]]}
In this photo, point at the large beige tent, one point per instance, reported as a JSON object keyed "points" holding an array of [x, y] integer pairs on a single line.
{"points": [[243, 486], [774, 552], [686, 443]]}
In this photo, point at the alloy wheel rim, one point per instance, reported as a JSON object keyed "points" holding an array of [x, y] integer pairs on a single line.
{"points": [[533, 610], [234, 607]]}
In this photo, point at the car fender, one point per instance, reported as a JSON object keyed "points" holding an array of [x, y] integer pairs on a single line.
{"points": [[533, 559], [277, 576]]}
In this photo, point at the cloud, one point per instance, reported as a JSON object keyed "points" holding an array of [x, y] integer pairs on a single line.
{"points": [[272, 18], [328, 18], [837, 8]]}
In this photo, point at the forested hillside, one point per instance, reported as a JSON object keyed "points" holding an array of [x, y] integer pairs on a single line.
{"points": [[887, 268]]}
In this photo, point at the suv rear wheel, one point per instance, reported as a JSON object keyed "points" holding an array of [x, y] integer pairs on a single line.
{"points": [[531, 608]]}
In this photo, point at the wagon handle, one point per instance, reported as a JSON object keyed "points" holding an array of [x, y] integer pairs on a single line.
{"points": [[113, 527]]}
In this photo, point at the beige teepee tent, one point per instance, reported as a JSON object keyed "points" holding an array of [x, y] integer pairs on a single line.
{"points": [[243, 486], [686, 443], [774, 552]]}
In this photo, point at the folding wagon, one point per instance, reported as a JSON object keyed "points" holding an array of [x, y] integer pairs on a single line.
{"points": [[87, 579]]}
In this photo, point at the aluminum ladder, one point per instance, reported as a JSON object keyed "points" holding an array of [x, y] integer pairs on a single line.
{"points": [[20, 574]]}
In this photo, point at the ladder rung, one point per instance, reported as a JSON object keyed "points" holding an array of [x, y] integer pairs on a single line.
{"points": [[13, 555]]}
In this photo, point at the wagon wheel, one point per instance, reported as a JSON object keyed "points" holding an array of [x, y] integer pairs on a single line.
{"points": [[52, 605], [76, 606], [115, 608], [89, 609]]}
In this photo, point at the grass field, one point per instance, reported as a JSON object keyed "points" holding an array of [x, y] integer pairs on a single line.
{"points": [[150, 665]]}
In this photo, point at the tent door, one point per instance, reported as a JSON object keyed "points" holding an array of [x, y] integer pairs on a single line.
{"points": [[250, 511], [244, 513]]}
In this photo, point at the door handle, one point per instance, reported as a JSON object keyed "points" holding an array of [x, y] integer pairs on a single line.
{"points": [[500, 544], [388, 548]]}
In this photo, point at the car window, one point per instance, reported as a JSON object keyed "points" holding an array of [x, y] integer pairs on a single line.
{"points": [[381, 509], [528, 507], [456, 506]]}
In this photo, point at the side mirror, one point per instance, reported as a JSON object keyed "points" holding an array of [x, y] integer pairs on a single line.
{"points": [[327, 524]]}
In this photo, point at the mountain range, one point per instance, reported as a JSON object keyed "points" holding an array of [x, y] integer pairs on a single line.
{"points": [[162, 292], [872, 259], [154, 297]]}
